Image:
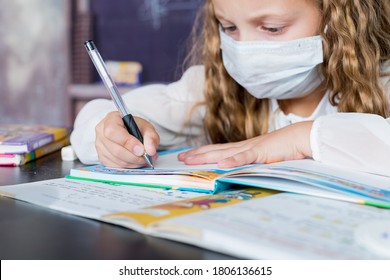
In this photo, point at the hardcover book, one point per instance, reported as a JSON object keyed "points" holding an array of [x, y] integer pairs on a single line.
{"points": [[18, 139], [20, 159]]}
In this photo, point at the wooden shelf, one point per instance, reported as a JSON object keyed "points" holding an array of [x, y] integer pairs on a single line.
{"points": [[82, 93], [91, 91]]}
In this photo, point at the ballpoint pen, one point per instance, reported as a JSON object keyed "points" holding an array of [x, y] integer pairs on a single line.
{"points": [[127, 118]]}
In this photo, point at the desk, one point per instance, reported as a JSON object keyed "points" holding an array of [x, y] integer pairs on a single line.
{"points": [[32, 232]]}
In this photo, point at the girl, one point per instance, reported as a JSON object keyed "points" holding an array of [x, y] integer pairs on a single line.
{"points": [[280, 80]]}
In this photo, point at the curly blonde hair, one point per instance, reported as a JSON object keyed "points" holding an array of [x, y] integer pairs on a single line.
{"points": [[356, 42]]}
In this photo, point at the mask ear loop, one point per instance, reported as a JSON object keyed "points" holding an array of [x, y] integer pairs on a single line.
{"points": [[220, 28], [326, 29]]}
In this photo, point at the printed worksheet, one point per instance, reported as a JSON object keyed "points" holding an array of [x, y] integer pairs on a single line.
{"points": [[91, 199], [288, 226]]}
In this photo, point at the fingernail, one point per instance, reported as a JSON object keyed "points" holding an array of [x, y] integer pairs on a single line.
{"points": [[181, 156], [138, 150]]}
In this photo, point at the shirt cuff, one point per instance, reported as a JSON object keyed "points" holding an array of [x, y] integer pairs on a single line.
{"points": [[315, 139]]}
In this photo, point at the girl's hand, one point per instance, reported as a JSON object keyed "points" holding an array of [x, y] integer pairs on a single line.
{"points": [[289, 143], [117, 148]]}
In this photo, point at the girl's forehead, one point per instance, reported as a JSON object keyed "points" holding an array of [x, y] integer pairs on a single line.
{"points": [[252, 18], [251, 7]]}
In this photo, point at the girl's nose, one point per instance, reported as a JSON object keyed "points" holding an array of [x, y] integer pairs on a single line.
{"points": [[248, 35]]}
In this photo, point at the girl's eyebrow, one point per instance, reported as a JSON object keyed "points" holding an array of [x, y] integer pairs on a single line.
{"points": [[219, 17], [264, 16]]}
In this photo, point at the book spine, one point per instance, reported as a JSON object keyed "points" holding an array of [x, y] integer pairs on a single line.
{"points": [[50, 136], [45, 150]]}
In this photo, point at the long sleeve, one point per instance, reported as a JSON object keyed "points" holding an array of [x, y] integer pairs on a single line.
{"points": [[167, 107], [354, 140]]}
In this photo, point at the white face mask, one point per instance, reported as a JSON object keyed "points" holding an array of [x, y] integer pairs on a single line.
{"points": [[279, 70]]}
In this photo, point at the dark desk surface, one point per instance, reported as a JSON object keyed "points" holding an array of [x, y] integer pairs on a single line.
{"points": [[32, 232]]}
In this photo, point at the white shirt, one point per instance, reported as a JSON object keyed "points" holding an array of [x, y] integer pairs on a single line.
{"points": [[355, 140]]}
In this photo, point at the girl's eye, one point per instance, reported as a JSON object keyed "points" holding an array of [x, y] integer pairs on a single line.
{"points": [[229, 29], [272, 30]]}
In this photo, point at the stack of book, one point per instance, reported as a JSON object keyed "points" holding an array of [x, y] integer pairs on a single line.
{"points": [[20, 144]]}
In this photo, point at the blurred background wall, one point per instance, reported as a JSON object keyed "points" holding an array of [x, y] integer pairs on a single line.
{"points": [[153, 32], [45, 73], [34, 61]]}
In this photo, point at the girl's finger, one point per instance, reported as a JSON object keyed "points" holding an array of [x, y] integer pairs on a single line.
{"points": [[239, 159], [119, 155], [213, 156], [207, 149]]}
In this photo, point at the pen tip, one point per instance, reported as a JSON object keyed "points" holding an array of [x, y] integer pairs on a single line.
{"points": [[149, 160]]}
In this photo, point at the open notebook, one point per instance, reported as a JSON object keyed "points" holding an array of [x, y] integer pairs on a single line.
{"points": [[299, 176]]}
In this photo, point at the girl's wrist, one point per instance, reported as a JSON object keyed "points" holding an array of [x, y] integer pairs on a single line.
{"points": [[302, 136]]}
